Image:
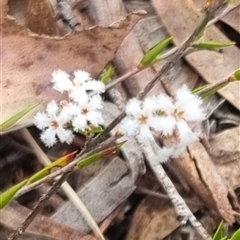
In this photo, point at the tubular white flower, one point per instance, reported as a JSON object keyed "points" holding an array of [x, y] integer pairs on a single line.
{"points": [[129, 127], [172, 120], [95, 86], [189, 105], [81, 83], [177, 151], [133, 107], [163, 154], [53, 124], [164, 104], [83, 79], [87, 112], [61, 81], [96, 101], [78, 95], [139, 117], [185, 134], [163, 124], [81, 112], [41, 120]]}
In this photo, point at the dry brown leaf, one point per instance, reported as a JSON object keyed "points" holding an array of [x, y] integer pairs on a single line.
{"points": [[213, 181], [228, 164], [233, 19], [203, 177], [41, 228], [27, 60], [212, 66], [153, 219], [187, 168]]}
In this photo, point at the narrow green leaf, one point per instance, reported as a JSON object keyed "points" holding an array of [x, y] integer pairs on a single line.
{"points": [[40, 174], [224, 238], [212, 45], [7, 196], [201, 88], [153, 53], [210, 89], [232, 1], [12, 120], [97, 156], [236, 235], [219, 233], [107, 74], [236, 74], [61, 162]]}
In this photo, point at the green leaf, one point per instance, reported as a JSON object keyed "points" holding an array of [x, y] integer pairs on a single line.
{"points": [[153, 53], [94, 130], [236, 235], [107, 74], [201, 88], [232, 1], [97, 156], [209, 89], [7, 196], [219, 233], [236, 74], [212, 45], [11, 121], [61, 162]]}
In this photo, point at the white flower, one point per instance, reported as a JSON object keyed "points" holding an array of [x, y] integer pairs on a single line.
{"points": [[163, 120], [82, 79], [163, 154], [53, 125], [129, 127], [87, 112], [133, 127], [139, 117], [78, 95], [61, 81], [189, 105], [164, 104], [78, 87], [185, 134], [177, 151], [163, 124]]}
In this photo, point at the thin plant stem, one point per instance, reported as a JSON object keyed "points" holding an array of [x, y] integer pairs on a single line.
{"points": [[67, 189]]}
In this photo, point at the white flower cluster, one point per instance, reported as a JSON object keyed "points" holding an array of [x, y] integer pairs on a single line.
{"points": [[168, 120], [80, 113]]}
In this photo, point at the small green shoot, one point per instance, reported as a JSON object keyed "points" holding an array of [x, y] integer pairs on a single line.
{"points": [[219, 234], [212, 45], [236, 74], [210, 89], [154, 52], [107, 74], [236, 235]]}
